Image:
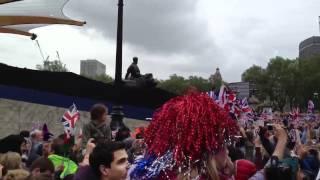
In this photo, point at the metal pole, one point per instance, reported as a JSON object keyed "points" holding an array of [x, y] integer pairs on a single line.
{"points": [[118, 73], [117, 113]]}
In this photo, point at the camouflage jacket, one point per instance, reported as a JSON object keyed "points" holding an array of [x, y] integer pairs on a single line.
{"points": [[96, 131]]}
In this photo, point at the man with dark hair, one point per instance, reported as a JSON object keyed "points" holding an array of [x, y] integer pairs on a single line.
{"points": [[133, 70], [42, 166], [98, 128], [25, 133], [109, 161]]}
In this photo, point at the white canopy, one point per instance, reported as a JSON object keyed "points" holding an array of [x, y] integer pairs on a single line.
{"points": [[20, 16]]}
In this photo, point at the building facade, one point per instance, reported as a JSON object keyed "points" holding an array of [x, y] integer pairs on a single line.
{"points": [[309, 48], [243, 89], [92, 68]]}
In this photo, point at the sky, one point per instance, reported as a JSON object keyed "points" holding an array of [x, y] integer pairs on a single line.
{"points": [[184, 37]]}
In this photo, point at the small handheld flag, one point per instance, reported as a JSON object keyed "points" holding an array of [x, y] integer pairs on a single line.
{"points": [[69, 119]]}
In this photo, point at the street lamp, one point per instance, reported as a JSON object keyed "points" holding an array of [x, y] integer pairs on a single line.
{"points": [[117, 113], [118, 72]]}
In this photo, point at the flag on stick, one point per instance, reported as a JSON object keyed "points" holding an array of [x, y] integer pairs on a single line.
{"points": [[69, 119]]}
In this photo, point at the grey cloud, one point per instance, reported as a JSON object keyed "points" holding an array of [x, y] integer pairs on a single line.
{"points": [[166, 26]]}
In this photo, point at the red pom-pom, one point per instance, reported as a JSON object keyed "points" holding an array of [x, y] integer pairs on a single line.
{"points": [[189, 126]]}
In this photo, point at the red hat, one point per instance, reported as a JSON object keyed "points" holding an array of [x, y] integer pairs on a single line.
{"points": [[244, 169]]}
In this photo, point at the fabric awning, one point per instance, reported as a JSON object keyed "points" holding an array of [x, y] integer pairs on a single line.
{"points": [[21, 16]]}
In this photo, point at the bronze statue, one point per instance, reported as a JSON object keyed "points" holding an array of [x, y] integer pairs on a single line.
{"points": [[139, 80], [133, 71]]}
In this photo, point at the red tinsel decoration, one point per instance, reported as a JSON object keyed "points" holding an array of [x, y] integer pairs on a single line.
{"points": [[190, 126]]}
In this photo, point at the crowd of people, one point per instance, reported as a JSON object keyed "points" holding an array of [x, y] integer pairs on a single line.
{"points": [[190, 137]]}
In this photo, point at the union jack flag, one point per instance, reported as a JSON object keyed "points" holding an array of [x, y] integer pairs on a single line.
{"points": [[212, 95], [69, 119], [245, 106], [222, 97], [227, 99]]}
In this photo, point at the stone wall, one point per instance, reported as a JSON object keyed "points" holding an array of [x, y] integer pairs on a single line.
{"points": [[17, 115]]}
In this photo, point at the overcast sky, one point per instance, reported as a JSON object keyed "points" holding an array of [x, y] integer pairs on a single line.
{"points": [[184, 37]]}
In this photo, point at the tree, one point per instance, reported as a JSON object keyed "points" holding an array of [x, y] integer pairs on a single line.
{"points": [[175, 84], [253, 74], [256, 75], [278, 81], [287, 81], [54, 66], [179, 85], [200, 83], [309, 79]]}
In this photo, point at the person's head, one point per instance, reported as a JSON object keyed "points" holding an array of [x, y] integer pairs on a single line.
{"points": [[13, 143], [286, 169], [250, 136], [178, 126], [36, 135], [99, 112], [138, 147], [135, 60], [17, 174], [264, 133], [110, 161], [11, 160], [122, 134], [25, 134], [60, 139], [235, 153], [244, 169], [46, 149], [42, 166], [57, 149], [41, 176]]}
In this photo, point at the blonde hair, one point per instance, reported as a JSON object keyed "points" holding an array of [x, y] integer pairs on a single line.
{"points": [[17, 174], [11, 160], [212, 169]]}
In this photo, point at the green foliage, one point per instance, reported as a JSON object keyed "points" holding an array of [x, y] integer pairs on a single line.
{"points": [[286, 81], [54, 66], [253, 74], [200, 83], [175, 84], [179, 85]]}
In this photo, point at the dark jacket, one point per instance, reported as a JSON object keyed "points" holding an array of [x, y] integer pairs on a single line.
{"points": [[85, 173], [96, 131]]}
